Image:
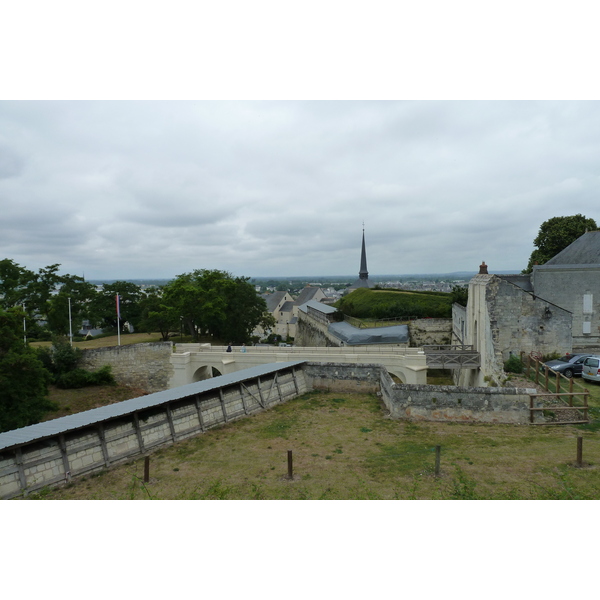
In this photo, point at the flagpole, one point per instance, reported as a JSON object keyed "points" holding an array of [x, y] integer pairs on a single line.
{"points": [[118, 321], [70, 324]]}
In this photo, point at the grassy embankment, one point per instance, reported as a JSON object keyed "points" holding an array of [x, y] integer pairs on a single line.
{"points": [[368, 304]]}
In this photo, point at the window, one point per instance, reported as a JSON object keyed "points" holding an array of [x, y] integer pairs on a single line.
{"points": [[587, 304]]}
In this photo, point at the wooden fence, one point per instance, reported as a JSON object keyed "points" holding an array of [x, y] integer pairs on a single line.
{"points": [[572, 395]]}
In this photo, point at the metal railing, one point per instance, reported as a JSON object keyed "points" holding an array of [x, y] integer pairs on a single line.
{"points": [[390, 322]]}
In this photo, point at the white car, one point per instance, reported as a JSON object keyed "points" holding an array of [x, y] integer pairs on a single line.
{"points": [[591, 368]]}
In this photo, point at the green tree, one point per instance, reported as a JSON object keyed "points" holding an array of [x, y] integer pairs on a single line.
{"points": [[213, 302], [23, 378], [14, 283], [459, 294], [104, 306], [156, 316], [555, 235], [82, 295]]}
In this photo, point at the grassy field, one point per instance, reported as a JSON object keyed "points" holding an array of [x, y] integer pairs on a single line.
{"points": [[113, 340], [345, 447]]}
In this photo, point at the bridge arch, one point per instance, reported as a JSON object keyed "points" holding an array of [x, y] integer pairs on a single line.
{"points": [[202, 373], [397, 373]]}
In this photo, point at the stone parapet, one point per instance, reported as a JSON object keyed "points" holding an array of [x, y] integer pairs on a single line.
{"points": [[144, 366]]}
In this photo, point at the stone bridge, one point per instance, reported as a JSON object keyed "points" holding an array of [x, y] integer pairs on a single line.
{"points": [[195, 362]]}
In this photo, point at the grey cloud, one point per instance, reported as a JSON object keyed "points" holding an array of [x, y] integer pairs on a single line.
{"points": [[276, 188]]}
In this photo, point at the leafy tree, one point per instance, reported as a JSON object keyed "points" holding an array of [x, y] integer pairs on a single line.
{"points": [[459, 294], [155, 316], [23, 378], [555, 235], [82, 295], [213, 302], [14, 283], [104, 306]]}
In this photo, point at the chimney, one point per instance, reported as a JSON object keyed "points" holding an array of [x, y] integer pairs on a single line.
{"points": [[483, 268]]}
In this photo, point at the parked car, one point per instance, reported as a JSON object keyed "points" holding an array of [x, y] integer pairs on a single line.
{"points": [[591, 368], [569, 365]]}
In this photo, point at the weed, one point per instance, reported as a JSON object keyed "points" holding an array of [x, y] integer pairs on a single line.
{"points": [[216, 491], [278, 428], [365, 429], [463, 488]]}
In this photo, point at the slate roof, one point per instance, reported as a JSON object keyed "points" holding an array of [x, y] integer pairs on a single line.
{"points": [[308, 293], [585, 250], [287, 306], [522, 281], [273, 300]]}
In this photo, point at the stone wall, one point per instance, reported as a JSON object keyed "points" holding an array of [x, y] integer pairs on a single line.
{"points": [[143, 366], [577, 289], [54, 459], [465, 405], [426, 402], [523, 322], [313, 333], [430, 332], [343, 377], [502, 319]]}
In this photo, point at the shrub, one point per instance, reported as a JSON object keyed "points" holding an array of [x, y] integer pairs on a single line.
{"points": [[513, 365], [78, 378]]}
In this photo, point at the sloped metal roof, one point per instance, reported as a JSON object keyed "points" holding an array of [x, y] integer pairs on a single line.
{"points": [[353, 336], [324, 308], [48, 429]]}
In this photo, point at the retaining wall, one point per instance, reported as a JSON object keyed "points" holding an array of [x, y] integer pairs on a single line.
{"points": [[427, 402], [430, 332], [144, 366], [53, 453]]}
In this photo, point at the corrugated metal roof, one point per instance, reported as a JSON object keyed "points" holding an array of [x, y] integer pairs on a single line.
{"points": [[48, 429]]}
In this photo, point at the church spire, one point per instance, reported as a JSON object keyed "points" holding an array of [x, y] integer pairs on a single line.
{"points": [[363, 273]]}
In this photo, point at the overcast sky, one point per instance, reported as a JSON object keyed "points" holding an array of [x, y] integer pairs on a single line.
{"points": [[136, 189]]}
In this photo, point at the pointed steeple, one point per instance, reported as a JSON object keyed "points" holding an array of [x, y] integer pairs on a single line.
{"points": [[363, 273]]}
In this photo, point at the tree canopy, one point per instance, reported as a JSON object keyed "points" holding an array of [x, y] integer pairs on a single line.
{"points": [[213, 302], [555, 235], [23, 378]]}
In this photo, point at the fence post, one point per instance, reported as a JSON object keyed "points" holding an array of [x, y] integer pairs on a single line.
{"points": [[579, 451], [290, 466], [146, 469], [438, 450], [531, 409]]}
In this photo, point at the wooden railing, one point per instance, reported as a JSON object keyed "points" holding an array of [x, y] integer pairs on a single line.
{"points": [[457, 356], [574, 397]]}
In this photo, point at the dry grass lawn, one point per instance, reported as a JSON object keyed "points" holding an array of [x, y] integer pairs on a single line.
{"points": [[345, 447]]}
